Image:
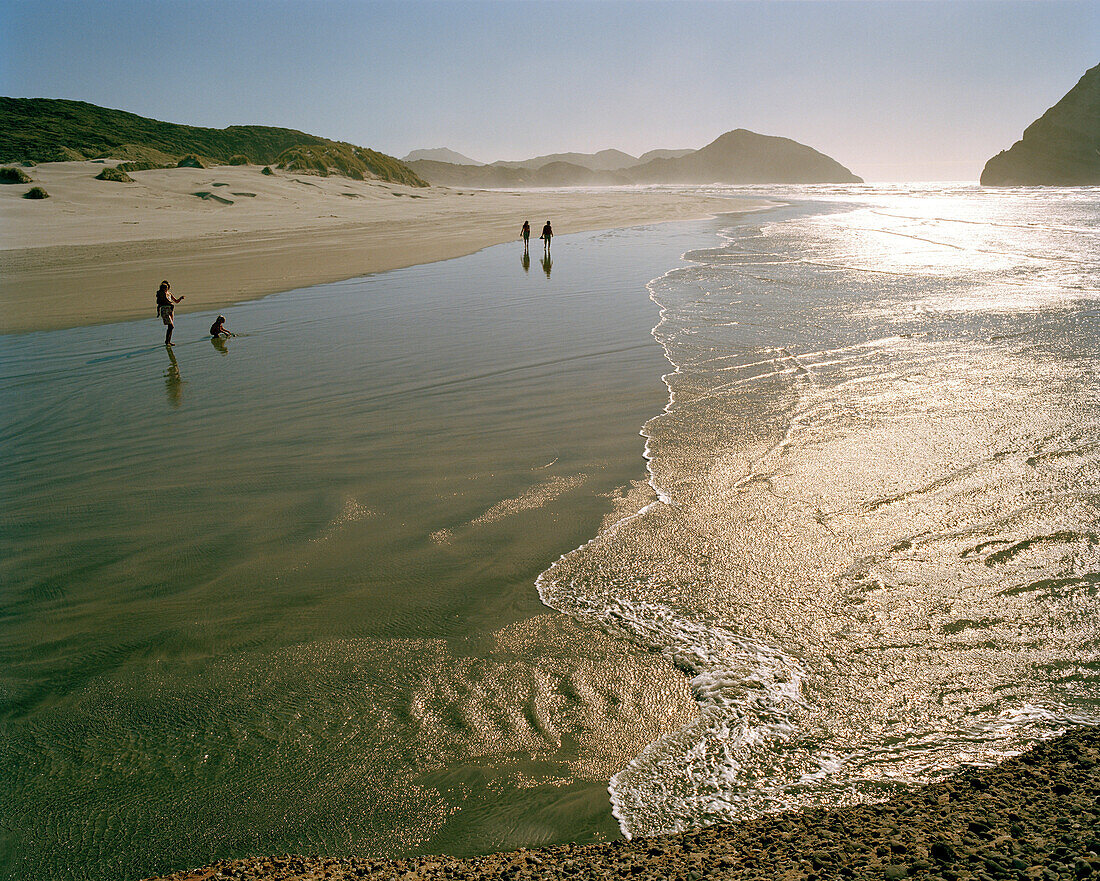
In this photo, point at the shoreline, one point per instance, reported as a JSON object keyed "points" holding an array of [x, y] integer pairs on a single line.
{"points": [[1034, 815], [90, 255]]}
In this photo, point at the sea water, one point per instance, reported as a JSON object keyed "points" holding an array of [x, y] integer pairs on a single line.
{"points": [[276, 594], [283, 593], [871, 539]]}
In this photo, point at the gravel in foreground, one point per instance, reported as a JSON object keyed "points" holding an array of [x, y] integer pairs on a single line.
{"points": [[1036, 816]]}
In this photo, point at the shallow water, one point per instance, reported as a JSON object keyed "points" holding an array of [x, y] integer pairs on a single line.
{"points": [[277, 594], [875, 545], [280, 595]]}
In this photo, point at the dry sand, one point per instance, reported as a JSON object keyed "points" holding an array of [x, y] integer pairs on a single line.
{"points": [[95, 251], [1033, 818]]}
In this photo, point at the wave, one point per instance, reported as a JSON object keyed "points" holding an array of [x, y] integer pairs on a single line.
{"points": [[850, 501]]}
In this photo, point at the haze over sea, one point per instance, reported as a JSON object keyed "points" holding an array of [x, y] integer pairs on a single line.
{"points": [[284, 594]]}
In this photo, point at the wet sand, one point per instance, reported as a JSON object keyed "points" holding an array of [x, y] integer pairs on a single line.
{"points": [[1034, 816], [397, 458], [95, 251]]}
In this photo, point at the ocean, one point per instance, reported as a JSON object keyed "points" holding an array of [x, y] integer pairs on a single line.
{"points": [[871, 539], [298, 591]]}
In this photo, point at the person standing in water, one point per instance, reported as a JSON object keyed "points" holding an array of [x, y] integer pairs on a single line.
{"points": [[525, 234], [547, 234], [166, 305]]}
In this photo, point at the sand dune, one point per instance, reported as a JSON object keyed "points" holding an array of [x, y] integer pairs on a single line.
{"points": [[95, 251]]}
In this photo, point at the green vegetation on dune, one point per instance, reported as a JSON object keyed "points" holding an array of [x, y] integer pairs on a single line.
{"points": [[351, 161], [14, 176], [36, 128], [52, 130], [114, 174], [138, 158]]}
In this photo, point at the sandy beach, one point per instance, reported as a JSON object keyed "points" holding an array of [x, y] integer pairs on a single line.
{"points": [[95, 251], [1031, 817]]}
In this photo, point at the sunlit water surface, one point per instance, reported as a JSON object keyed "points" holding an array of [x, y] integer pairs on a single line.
{"points": [[282, 595], [875, 547]]}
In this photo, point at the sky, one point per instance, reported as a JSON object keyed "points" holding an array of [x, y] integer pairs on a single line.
{"points": [[907, 90]]}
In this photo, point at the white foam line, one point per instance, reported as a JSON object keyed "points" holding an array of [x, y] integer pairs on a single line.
{"points": [[718, 659], [663, 497], [780, 674]]}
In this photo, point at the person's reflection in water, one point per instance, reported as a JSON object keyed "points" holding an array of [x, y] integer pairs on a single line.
{"points": [[218, 342], [547, 263], [173, 383], [525, 261]]}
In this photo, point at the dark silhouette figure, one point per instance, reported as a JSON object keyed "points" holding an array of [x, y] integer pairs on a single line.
{"points": [[173, 382], [547, 263], [525, 261], [525, 234], [166, 305], [218, 328], [547, 234]]}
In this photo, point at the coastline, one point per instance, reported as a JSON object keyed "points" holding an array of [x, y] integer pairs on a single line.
{"points": [[550, 374], [95, 251], [1031, 816]]}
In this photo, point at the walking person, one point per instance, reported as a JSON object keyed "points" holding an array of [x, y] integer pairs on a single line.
{"points": [[547, 234], [166, 305], [525, 234]]}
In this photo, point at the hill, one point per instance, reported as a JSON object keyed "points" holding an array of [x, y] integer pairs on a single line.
{"points": [[650, 155], [737, 157], [441, 154], [604, 160], [744, 157], [1061, 148], [50, 130], [553, 174]]}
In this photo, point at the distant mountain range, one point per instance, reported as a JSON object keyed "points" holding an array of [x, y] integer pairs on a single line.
{"points": [[605, 160], [49, 130], [441, 154], [737, 157], [1061, 148]]}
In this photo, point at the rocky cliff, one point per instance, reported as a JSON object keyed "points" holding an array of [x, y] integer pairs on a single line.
{"points": [[1061, 148]]}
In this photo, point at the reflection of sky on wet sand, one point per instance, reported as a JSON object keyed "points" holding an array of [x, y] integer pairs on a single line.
{"points": [[226, 619]]}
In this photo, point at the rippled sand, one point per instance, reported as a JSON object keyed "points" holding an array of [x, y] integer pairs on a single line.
{"points": [[1031, 817]]}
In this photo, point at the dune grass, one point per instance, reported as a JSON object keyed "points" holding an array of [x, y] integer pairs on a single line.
{"points": [[357, 163], [50, 130], [14, 176], [114, 174]]}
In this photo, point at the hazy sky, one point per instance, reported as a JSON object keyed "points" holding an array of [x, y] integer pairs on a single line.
{"points": [[894, 90]]}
